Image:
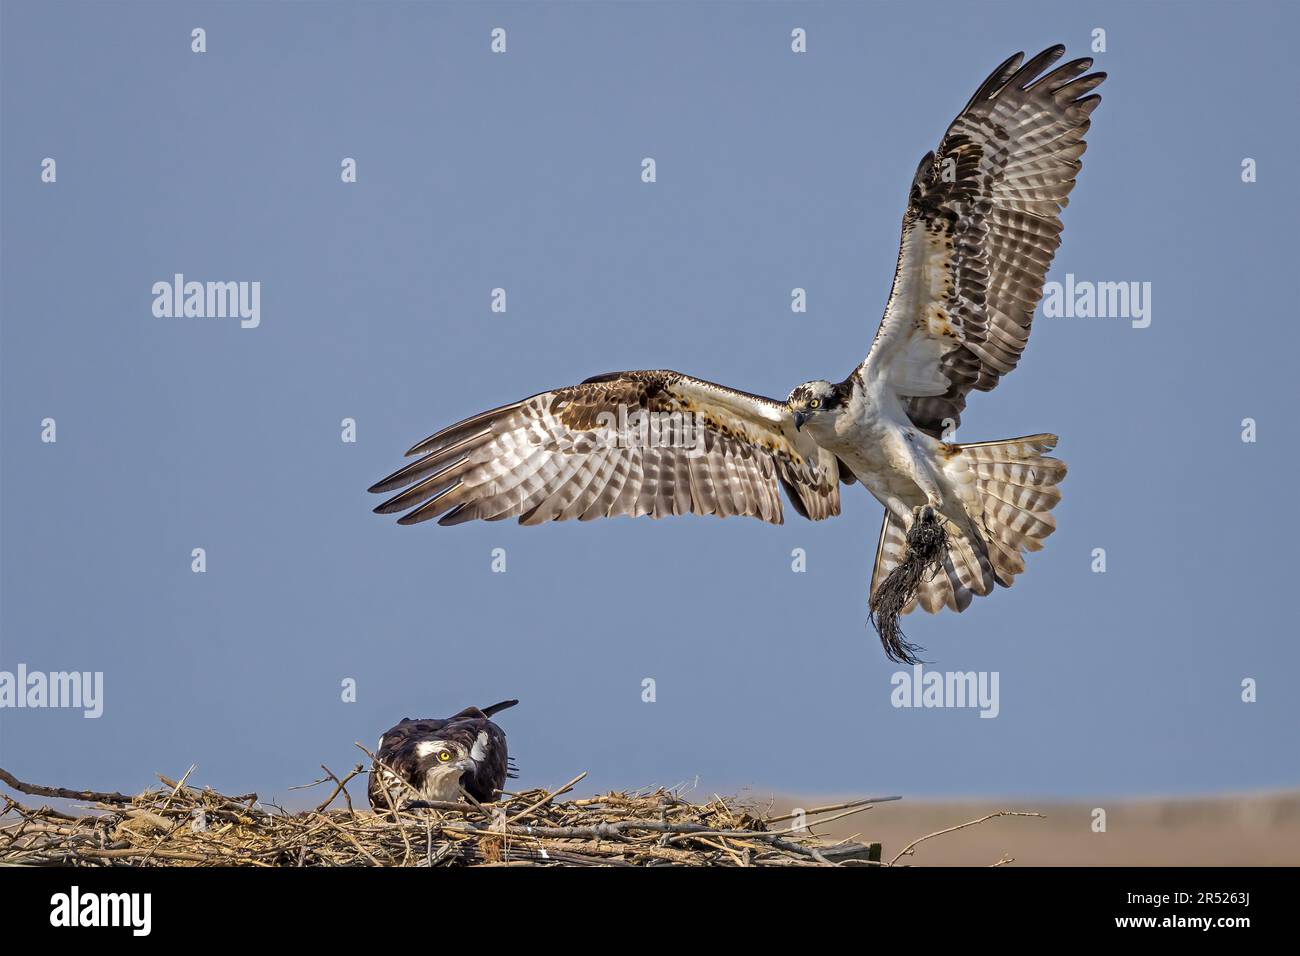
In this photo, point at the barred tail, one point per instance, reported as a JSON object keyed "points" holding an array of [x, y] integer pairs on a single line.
{"points": [[1017, 489]]}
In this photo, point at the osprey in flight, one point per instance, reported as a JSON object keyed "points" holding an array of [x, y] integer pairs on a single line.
{"points": [[434, 759], [980, 231]]}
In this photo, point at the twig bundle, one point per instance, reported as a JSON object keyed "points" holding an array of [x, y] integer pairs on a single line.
{"points": [[927, 550]]}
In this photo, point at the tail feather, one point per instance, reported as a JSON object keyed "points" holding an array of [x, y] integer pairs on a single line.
{"points": [[972, 569], [966, 573], [1017, 489], [498, 707], [1017, 484], [889, 550], [934, 594], [1024, 529], [1026, 449], [1042, 474], [1022, 497], [1007, 561]]}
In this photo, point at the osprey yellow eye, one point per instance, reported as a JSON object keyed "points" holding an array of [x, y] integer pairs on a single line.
{"points": [[444, 756], [815, 403]]}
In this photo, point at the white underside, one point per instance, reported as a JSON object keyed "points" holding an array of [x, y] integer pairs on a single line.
{"points": [[902, 467]]}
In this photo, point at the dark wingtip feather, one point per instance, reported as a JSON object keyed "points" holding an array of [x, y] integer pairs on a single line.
{"points": [[1061, 75], [995, 80], [389, 482], [1035, 65], [414, 517], [1072, 91], [454, 516], [1089, 103], [452, 432]]}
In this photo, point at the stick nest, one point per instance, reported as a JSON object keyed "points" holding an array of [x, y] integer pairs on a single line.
{"points": [[180, 825]]}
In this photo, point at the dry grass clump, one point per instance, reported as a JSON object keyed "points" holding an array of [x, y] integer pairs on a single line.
{"points": [[180, 825]]}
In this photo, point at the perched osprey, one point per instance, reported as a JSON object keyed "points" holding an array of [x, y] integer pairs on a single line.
{"points": [[981, 228], [433, 759]]}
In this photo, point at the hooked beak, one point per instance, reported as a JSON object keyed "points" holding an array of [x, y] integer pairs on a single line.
{"points": [[799, 419], [463, 765]]}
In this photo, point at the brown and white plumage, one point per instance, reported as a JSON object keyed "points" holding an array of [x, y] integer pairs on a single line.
{"points": [[1015, 488], [559, 455], [437, 758], [980, 231]]}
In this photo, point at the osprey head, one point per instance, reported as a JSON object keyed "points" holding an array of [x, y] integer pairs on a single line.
{"points": [[440, 765], [815, 403]]}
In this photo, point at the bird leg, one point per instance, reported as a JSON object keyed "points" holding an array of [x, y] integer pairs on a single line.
{"points": [[923, 513]]}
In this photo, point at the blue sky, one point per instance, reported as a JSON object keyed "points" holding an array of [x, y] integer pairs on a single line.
{"points": [[522, 171]]}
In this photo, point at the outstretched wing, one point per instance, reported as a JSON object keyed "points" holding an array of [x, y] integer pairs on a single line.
{"points": [[981, 229], [628, 443]]}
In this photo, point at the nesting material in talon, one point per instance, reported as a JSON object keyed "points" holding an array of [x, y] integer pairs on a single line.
{"points": [[927, 550]]}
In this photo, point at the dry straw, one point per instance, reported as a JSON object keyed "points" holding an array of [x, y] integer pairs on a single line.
{"points": [[180, 825]]}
